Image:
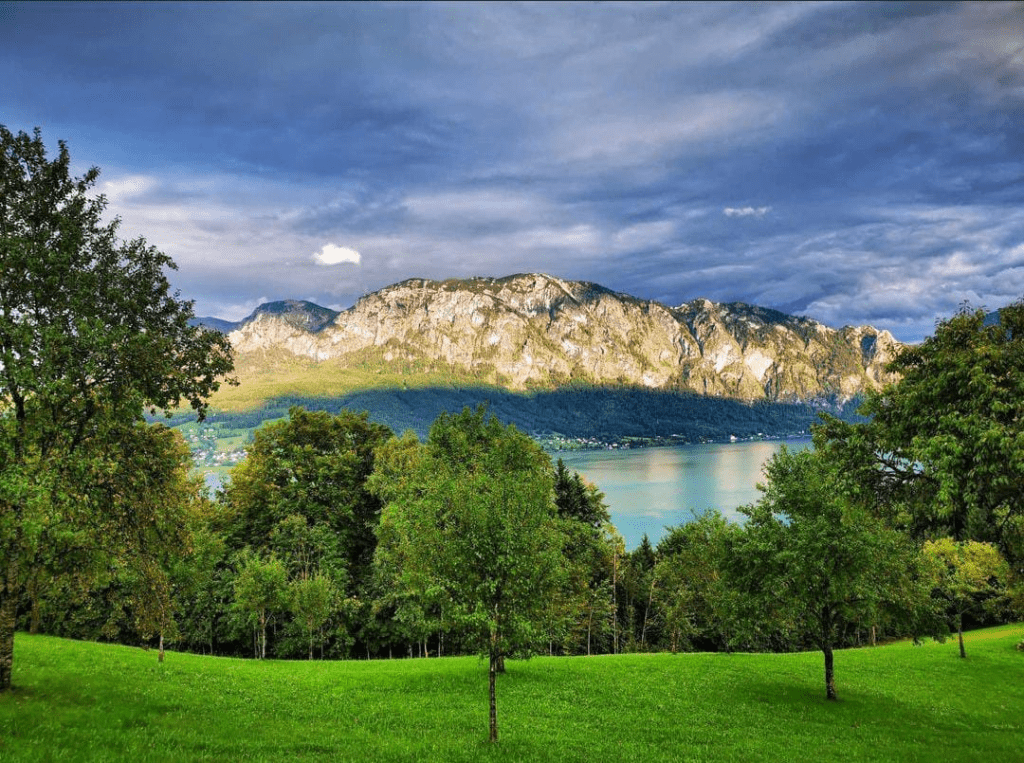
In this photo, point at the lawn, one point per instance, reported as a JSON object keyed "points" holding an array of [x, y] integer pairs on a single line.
{"points": [[94, 702]]}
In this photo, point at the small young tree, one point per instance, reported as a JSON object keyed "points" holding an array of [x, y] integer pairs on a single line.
{"points": [[313, 601], [968, 575], [261, 592], [472, 515]]}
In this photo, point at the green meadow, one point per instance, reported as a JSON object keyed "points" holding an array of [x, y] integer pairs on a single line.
{"points": [[80, 701]]}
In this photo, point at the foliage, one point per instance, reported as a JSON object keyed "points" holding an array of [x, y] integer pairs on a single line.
{"points": [[943, 452], [313, 601], [120, 588], [637, 602], [582, 613], [261, 592], [90, 335], [692, 590], [302, 489]]}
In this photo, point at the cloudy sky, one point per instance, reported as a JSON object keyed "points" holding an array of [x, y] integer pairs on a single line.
{"points": [[855, 163]]}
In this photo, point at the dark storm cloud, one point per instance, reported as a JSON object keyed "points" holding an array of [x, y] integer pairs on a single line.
{"points": [[856, 162]]}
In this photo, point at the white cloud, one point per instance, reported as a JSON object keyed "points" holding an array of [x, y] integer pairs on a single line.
{"points": [[331, 254], [746, 211]]}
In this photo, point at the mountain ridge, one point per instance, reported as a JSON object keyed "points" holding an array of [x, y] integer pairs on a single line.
{"points": [[533, 330]]}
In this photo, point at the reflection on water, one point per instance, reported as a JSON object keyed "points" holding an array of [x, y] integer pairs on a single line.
{"points": [[649, 488]]}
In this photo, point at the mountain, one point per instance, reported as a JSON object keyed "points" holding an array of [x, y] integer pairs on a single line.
{"points": [[299, 314], [533, 331]]}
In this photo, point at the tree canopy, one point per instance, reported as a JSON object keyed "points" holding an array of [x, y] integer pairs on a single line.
{"points": [[943, 451]]}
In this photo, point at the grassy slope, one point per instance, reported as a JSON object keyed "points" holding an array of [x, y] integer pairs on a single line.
{"points": [[83, 701], [263, 378]]}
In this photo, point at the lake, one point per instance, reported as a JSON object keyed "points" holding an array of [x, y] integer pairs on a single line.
{"points": [[649, 488]]}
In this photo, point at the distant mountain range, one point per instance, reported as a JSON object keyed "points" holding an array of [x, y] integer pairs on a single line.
{"points": [[537, 332]]}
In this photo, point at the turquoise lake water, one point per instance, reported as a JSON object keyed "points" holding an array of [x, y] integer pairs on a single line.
{"points": [[647, 489]]}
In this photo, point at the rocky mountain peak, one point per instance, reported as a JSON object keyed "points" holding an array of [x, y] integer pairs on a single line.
{"points": [[301, 314]]}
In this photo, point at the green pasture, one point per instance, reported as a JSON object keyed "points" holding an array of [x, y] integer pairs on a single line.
{"points": [[94, 702]]}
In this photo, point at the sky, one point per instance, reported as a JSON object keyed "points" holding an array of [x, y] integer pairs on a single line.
{"points": [[856, 163]]}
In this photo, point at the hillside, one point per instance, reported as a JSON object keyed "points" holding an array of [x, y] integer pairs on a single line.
{"points": [[97, 702]]}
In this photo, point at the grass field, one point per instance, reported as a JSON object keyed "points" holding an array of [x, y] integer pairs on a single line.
{"points": [[91, 702]]}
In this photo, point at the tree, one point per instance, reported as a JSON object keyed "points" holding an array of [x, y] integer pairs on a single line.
{"points": [[314, 600], [583, 612], [693, 592], [639, 582], [943, 451], [968, 575], [261, 592], [90, 335], [819, 562], [305, 480], [473, 516], [200, 582]]}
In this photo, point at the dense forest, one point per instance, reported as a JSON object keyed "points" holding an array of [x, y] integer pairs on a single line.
{"points": [[579, 413]]}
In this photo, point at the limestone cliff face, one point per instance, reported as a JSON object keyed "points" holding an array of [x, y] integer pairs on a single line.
{"points": [[535, 330]]}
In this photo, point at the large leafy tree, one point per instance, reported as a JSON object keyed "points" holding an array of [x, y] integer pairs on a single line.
{"points": [[90, 336], [817, 562], [301, 494], [943, 451], [123, 587], [470, 517], [311, 470]]}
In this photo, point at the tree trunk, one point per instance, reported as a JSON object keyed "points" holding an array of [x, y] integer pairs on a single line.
{"points": [[8, 617], [500, 664], [263, 636], [494, 704], [960, 634], [647, 612], [830, 675], [590, 622], [615, 602], [160, 654]]}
